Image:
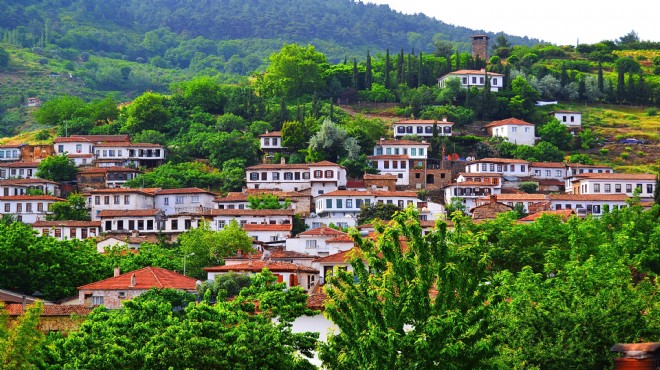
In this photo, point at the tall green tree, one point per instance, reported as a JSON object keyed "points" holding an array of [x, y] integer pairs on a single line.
{"points": [[368, 79], [387, 70], [74, 208], [57, 168], [21, 342], [556, 133], [201, 248], [295, 71]]}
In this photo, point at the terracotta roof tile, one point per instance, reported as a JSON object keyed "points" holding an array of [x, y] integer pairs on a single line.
{"points": [[424, 122], [548, 164], [473, 72], [401, 142], [382, 176], [70, 140], [144, 191], [32, 197], [128, 213], [500, 160], [27, 181], [341, 257], [274, 255], [39, 224], [340, 239], [248, 212], [91, 170], [508, 121], [129, 145], [588, 197], [266, 227], [323, 231], [368, 193], [272, 134], [16, 309], [20, 165], [316, 301], [389, 156], [564, 214], [520, 196], [103, 138], [256, 266], [183, 191], [145, 278], [616, 176]]}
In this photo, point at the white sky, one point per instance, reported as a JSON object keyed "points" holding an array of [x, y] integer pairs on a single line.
{"points": [[561, 22]]}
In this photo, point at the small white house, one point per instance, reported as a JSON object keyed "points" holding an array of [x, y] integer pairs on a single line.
{"points": [[422, 127], [290, 273], [513, 130], [321, 177], [63, 230], [568, 118], [27, 209], [474, 78]]}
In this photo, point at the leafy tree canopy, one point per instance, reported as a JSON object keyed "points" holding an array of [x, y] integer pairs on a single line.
{"points": [[57, 168]]}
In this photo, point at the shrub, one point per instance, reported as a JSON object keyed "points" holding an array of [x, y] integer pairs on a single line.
{"points": [[625, 155], [604, 151], [651, 112], [641, 154]]}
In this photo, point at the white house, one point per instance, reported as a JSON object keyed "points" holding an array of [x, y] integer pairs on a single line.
{"points": [[126, 221], [219, 218], [22, 186], [127, 153], [267, 232], [63, 230], [397, 157], [613, 183], [568, 118], [27, 208], [18, 170], [270, 143], [505, 166], [471, 187], [587, 204], [120, 199], [321, 177], [319, 241], [422, 127], [80, 149], [548, 170], [184, 200], [474, 78], [10, 152], [513, 130]]}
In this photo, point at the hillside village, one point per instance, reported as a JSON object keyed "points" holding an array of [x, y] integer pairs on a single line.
{"points": [[309, 215]]}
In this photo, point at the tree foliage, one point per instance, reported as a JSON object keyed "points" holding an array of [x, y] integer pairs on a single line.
{"points": [[57, 168], [74, 209], [21, 342]]}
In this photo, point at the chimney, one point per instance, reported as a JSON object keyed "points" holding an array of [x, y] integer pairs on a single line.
{"points": [[117, 272], [283, 160], [23, 302], [493, 198], [133, 280], [444, 119], [135, 233]]}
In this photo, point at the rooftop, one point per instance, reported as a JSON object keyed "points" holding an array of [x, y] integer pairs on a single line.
{"points": [[143, 279], [507, 122], [257, 266]]}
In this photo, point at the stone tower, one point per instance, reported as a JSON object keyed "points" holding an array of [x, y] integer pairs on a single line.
{"points": [[480, 47]]}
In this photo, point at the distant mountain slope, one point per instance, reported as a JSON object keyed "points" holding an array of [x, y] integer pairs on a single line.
{"points": [[123, 26]]}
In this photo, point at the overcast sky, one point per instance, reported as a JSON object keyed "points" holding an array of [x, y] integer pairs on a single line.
{"points": [[561, 22]]}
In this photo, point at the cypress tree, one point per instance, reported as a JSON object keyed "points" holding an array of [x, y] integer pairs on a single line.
{"points": [[564, 76], [632, 92], [601, 81], [458, 61], [582, 89], [355, 74], [386, 81], [367, 74], [642, 97], [620, 86], [409, 71], [399, 68], [420, 71]]}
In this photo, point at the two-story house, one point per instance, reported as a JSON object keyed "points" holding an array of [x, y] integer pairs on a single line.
{"points": [[120, 199], [321, 177], [23, 186], [587, 204], [184, 200], [398, 157], [10, 152], [290, 273], [513, 130], [219, 218], [470, 186], [18, 170], [105, 177], [474, 78], [80, 149], [422, 127], [613, 183], [318, 242], [27, 208], [64, 230], [129, 154], [508, 168], [270, 144]]}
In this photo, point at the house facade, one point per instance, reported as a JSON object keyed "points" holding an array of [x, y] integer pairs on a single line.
{"points": [[22, 186], [613, 183], [10, 153], [270, 144], [513, 130], [422, 127], [27, 208], [126, 221], [18, 170], [568, 118], [105, 177], [64, 230], [398, 157], [184, 200], [290, 273], [320, 241], [321, 177], [474, 78], [504, 166], [120, 199]]}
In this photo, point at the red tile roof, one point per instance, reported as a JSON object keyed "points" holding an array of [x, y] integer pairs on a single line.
{"points": [[323, 231], [499, 160], [616, 176], [20, 165], [389, 156], [523, 196], [129, 145], [143, 191], [548, 164], [316, 301], [469, 183], [562, 213], [340, 239], [145, 278], [183, 191], [272, 134], [474, 72], [423, 122], [69, 155], [266, 227], [70, 140], [248, 212], [104, 138], [27, 181], [368, 193], [274, 255], [32, 197], [129, 213], [39, 224], [589, 197], [480, 174], [16, 309], [383, 176], [256, 266], [103, 170], [401, 142], [508, 121], [341, 257], [355, 184]]}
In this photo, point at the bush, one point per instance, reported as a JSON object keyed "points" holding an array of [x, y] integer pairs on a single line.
{"points": [[641, 154], [625, 155], [42, 135], [651, 112], [604, 151], [528, 186]]}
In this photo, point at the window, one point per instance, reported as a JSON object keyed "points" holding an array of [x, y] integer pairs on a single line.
{"points": [[274, 141], [97, 301], [264, 176], [386, 164], [121, 295], [494, 81], [310, 244], [276, 176], [60, 148], [563, 118], [254, 176], [97, 200], [194, 199], [649, 188], [558, 206], [305, 175], [178, 199], [608, 188], [428, 129], [403, 164], [484, 167], [537, 172], [617, 188], [318, 174], [523, 168], [358, 203], [481, 80], [409, 130], [395, 164], [421, 151], [140, 225], [288, 176], [413, 151], [105, 153], [78, 148], [131, 225], [106, 199], [329, 174], [514, 129], [28, 207], [19, 207], [548, 172], [221, 224], [628, 188], [166, 201], [340, 203], [40, 207], [349, 203], [150, 224], [400, 204], [474, 80], [120, 225], [396, 151], [266, 141], [116, 199], [420, 129], [401, 130], [127, 199], [111, 152], [572, 118], [558, 173], [297, 175], [492, 168], [72, 233], [328, 203], [596, 188]]}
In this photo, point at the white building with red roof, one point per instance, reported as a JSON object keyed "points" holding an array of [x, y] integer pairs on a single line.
{"points": [[507, 167], [474, 78], [268, 232], [10, 152], [22, 186], [422, 127], [327, 264], [219, 218], [514, 130], [126, 221], [19, 170], [27, 208], [568, 118], [290, 273], [397, 157], [184, 200], [270, 143], [321, 177], [587, 204], [613, 183], [319, 241], [273, 254], [114, 291], [129, 154], [64, 230]]}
